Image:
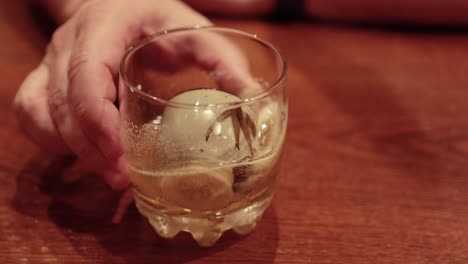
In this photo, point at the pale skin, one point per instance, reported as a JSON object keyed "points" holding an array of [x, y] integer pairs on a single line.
{"points": [[66, 105]]}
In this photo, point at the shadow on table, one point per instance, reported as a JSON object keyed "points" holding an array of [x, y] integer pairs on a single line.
{"points": [[84, 207]]}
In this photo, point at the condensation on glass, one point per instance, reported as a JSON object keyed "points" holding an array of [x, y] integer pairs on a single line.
{"points": [[204, 114]]}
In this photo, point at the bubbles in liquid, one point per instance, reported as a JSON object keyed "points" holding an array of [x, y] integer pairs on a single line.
{"points": [[184, 180], [175, 164]]}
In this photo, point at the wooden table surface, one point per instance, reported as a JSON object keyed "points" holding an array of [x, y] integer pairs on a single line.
{"points": [[375, 165]]}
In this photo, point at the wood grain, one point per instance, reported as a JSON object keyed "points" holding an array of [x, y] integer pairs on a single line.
{"points": [[375, 164]]}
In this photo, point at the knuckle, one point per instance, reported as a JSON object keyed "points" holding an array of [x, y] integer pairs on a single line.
{"points": [[24, 106], [81, 110], [85, 13], [86, 114], [77, 60], [21, 112], [91, 9], [56, 98], [58, 41], [57, 104]]}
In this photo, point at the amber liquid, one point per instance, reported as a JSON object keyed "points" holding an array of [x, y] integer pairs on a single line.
{"points": [[203, 199], [206, 190], [185, 180]]}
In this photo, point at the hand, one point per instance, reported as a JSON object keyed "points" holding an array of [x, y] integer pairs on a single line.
{"points": [[66, 104]]}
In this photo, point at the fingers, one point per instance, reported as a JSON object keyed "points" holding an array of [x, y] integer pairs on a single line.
{"points": [[88, 120], [125, 201], [92, 65], [74, 114], [91, 95], [32, 108], [210, 50], [67, 103], [226, 60], [76, 171]]}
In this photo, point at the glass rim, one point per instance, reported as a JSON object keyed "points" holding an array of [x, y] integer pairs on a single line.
{"points": [[250, 100]]}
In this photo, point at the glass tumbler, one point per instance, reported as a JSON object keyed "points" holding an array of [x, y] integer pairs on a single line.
{"points": [[204, 113]]}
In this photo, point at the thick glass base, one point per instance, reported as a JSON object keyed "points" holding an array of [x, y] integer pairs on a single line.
{"points": [[205, 229]]}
